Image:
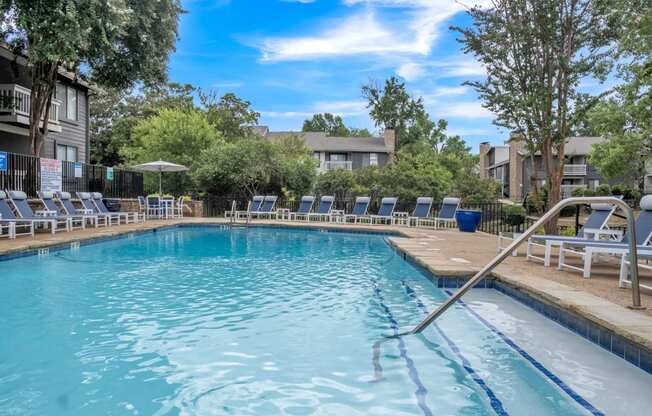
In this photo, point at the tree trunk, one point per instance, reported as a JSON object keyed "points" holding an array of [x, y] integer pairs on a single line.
{"points": [[44, 76], [554, 175]]}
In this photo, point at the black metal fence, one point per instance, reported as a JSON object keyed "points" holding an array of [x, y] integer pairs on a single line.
{"points": [[496, 217], [23, 173]]}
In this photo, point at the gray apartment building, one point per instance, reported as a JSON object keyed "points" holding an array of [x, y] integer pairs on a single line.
{"points": [[351, 153], [511, 166], [68, 137]]}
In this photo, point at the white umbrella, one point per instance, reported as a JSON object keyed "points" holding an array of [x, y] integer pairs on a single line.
{"points": [[161, 166]]}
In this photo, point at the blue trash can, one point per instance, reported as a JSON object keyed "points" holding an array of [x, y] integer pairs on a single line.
{"points": [[468, 219]]}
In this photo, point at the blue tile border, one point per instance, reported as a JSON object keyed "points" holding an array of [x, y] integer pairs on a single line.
{"points": [[597, 334]]}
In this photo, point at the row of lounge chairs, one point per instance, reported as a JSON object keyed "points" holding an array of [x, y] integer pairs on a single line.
{"points": [[596, 238], [58, 213], [264, 207]]}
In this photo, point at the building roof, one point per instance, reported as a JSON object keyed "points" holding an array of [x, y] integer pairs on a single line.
{"points": [[577, 146], [320, 142]]}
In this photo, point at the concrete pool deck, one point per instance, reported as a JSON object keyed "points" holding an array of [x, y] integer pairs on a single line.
{"points": [[450, 253]]}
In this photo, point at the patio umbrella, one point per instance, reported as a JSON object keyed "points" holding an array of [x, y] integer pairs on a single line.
{"points": [[160, 166]]}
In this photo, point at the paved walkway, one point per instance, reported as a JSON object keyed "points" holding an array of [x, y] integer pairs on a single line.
{"points": [[451, 253]]}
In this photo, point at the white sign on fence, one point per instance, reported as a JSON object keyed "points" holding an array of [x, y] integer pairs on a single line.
{"points": [[51, 173], [78, 170]]}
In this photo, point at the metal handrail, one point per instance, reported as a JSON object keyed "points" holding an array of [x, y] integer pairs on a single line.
{"points": [[633, 257]]}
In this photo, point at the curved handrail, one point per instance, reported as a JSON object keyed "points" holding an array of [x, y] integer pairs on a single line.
{"points": [[633, 257]]}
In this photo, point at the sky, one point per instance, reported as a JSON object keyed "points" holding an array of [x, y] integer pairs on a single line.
{"points": [[294, 58]]}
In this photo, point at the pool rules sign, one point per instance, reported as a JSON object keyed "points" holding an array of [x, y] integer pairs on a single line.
{"points": [[51, 172]]}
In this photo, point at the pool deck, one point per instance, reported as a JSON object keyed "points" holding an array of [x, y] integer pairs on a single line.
{"points": [[451, 253]]}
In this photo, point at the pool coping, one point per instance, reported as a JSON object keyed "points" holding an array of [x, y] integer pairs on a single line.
{"points": [[585, 314]]}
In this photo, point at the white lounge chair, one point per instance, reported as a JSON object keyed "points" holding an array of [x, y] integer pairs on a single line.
{"points": [[587, 249], [446, 213], [359, 209], [324, 211], [49, 219], [69, 208], [385, 213], [421, 213], [594, 228], [266, 208], [305, 206], [47, 199]]}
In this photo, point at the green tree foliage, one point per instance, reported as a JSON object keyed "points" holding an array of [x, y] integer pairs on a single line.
{"points": [[176, 136], [332, 125], [625, 118], [472, 189], [115, 113], [115, 43], [338, 182], [392, 107], [535, 53], [253, 165], [230, 114], [412, 176]]}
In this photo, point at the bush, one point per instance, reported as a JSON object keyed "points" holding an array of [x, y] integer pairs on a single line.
{"points": [[513, 214], [603, 190], [338, 182], [617, 190], [577, 192], [412, 176]]}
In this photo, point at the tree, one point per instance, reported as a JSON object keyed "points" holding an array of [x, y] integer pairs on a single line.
{"points": [[230, 114], [337, 182], [332, 125], [392, 107], [115, 43], [177, 136], [115, 113], [535, 53], [298, 168]]}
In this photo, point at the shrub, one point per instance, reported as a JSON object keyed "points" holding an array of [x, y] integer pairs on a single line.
{"points": [[617, 190], [513, 214], [603, 190]]}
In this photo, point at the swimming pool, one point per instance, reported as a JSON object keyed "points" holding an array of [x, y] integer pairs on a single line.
{"points": [[266, 321]]}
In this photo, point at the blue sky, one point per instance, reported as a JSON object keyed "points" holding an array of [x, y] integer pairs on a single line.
{"points": [[294, 58]]}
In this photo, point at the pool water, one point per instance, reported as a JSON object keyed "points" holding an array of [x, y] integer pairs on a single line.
{"points": [[266, 321]]}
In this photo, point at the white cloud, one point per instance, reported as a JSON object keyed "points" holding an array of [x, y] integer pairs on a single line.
{"points": [[227, 84], [413, 31], [343, 108], [410, 71], [298, 1], [461, 67], [462, 109]]}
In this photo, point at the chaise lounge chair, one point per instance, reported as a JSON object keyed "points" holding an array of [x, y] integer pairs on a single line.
{"points": [[47, 199], [305, 206], [359, 209], [587, 249], [87, 203], [134, 217], [446, 213], [421, 213], [252, 206], [49, 219], [594, 228], [324, 211], [385, 212], [12, 223], [88, 215], [266, 208]]}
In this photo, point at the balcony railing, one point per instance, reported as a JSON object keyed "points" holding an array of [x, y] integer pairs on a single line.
{"points": [[15, 101], [567, 190], [333, 164], [574, 170]]}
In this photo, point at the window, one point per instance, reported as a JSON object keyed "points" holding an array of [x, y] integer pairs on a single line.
{"points": [[71, 103], [373, 159], [316, 155], [594, 183], [66, 153], [337, 157]]}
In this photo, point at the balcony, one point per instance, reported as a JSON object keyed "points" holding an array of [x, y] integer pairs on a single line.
{"points": [[15, 107], [335, 164], [574, 170], [567, 190]]}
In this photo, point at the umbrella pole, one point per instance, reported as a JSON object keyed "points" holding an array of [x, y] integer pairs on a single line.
{"points": [[160, 183]]}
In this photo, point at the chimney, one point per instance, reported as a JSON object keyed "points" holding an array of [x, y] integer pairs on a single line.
{"points": [[484, 160], [390, 140]]}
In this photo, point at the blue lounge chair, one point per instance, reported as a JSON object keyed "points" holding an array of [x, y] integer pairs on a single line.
{"points": [[45, 217], [594, 228], [266, 209], [128, 216], [446, 212], [385, 213], [47, 199], [325, 209], [305, 206], [252, 206], [65, 199], [421, 212], [588, 248], [359, 209], [12, 223], [87, 203]]}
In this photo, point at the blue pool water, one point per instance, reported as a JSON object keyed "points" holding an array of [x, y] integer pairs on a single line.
{"points": [[261, 321]]}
